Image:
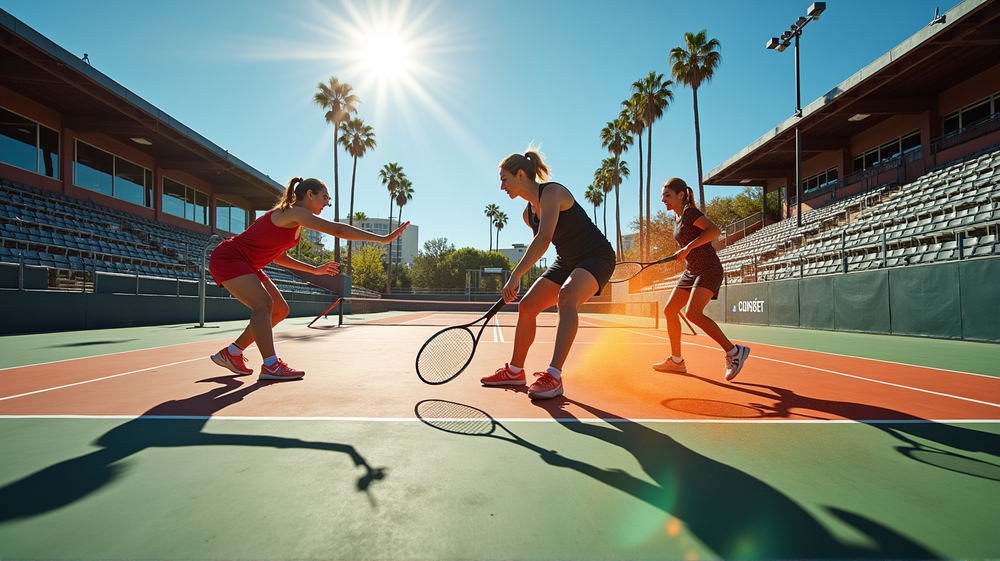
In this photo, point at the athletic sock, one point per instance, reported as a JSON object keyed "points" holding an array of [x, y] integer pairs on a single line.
{"points": [[676, 359], [271, 360], [555, 372], [234, 350], [514, 369], [733, 351]]}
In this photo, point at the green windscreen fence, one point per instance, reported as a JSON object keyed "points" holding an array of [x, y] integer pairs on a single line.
{"points": [[925, 301], [953, 300], [980, 300], [862, 302]]}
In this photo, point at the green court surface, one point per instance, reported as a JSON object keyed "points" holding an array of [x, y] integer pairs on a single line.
{"points": [[548, 485]]}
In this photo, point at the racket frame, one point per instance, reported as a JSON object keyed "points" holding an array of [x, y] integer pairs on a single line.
{"points": [[643, 267], [485, 318]]}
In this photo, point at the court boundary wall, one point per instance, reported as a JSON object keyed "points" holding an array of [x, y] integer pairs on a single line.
{"points": [[122, 301], [952, 300]]}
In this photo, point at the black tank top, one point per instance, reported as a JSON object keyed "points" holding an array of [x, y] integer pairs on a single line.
{"points": [[576, 237]]}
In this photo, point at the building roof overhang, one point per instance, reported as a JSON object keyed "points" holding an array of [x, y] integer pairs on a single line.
{"points": [[906, 80], [89, 101]]}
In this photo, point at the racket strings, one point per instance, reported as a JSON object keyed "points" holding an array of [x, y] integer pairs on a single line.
{"points": [[625, 271], [445, 355]]}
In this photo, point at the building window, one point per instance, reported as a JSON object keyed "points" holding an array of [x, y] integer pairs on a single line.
{"points": [[230, 218], [100, 171], [820, 180], [895, 148], [185, 202], [28, 145], [972, 114]]}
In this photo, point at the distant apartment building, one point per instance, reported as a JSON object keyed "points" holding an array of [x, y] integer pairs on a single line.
{"points": [[514, 252], [404, 249]]}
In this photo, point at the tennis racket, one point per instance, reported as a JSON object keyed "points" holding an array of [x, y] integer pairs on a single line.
{"points": [[628, 269], [447, 353]]}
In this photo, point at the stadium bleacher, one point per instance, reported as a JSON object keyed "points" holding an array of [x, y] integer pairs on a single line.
{"points": [[74, 238], [951, 212]]}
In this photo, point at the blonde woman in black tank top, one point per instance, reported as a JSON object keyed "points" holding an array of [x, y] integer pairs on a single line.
{"points": [[584, 263], [700, 282]]}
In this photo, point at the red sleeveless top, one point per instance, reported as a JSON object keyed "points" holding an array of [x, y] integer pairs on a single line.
{"points": [[261, 243]]}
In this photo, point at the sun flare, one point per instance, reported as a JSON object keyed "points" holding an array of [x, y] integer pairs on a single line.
{"points": [[386, 55]]}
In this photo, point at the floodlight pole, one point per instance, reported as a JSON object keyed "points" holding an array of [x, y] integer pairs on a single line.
{"points": [[780, 45]]}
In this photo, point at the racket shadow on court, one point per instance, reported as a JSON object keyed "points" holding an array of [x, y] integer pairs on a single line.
{"points": [[720, 504], [946, 441], [171, 424]]}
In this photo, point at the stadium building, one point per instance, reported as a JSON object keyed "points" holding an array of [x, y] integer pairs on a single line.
{"points": [[107, 202], [901, 197]]}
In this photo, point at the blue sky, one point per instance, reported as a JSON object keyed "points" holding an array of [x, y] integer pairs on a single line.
{"points": [[482, 79]]}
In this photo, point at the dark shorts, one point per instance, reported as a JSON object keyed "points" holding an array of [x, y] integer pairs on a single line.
{"points": [[225, 265], [710, 278], [600, 267]]}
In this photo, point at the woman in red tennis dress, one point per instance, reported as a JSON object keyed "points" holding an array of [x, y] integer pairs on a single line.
{"points": [[237, 264]]}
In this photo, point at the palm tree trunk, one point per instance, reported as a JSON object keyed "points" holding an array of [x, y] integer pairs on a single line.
{"points": [[350, 217], [642, 242], [618, 223], [336, 196], [498, 238], [697, 149], [595, 214], [649, 172], [400, 246], [605, 205], [388, 257], [491, 232]]}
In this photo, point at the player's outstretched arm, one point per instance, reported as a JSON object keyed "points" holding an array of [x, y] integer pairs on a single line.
{"points": [[309, 220]]}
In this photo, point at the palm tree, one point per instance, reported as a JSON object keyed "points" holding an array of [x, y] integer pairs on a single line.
{"points": [[404, 194], [603, 182], [360, 216], [391, 174], [617, 138], [491, 213], [357, 139], [656, 96], [616, 170], [338, 101], [632, 113], [594, 196], [693, 65], [500, 220]]}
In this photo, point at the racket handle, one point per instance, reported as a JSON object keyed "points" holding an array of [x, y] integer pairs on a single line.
{"points": [[496, 307]]}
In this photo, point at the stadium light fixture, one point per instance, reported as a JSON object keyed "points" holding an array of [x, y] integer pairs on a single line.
{"points": [[141, 140], [858, 117], [795, 31]]}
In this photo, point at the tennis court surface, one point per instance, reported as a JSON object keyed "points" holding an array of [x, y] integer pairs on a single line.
{"points": [[130, 443]]}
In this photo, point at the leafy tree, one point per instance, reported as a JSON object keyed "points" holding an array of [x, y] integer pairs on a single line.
{"points": [[336, 98], [369, 267], [694, 64], [426, 271]]}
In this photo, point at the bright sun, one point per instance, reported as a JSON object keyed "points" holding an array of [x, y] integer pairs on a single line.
{"points": [[386, 55]]}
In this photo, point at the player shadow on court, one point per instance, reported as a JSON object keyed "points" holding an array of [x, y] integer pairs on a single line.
{"points": [[724, 507], [907, 428], [172, 424]]}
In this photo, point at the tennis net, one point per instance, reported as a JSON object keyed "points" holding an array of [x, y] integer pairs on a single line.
{"points": [[390, 311]]}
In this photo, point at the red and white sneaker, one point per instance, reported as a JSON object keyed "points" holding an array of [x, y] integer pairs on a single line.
{"points": [[546, 386], [280, 371], [235, 364], [504, 377]]}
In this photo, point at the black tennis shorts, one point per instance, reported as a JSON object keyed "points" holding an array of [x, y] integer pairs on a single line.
{"points": [[710, 278], [601, 267]]}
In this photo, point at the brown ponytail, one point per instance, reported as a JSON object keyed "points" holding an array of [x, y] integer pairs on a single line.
{"points": [[530, 162], [677, 185], [297, 189]]}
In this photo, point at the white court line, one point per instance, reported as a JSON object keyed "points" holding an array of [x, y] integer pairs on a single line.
{"points": [[131, 372], [808, 367], [506, 420], [497, 332]]}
